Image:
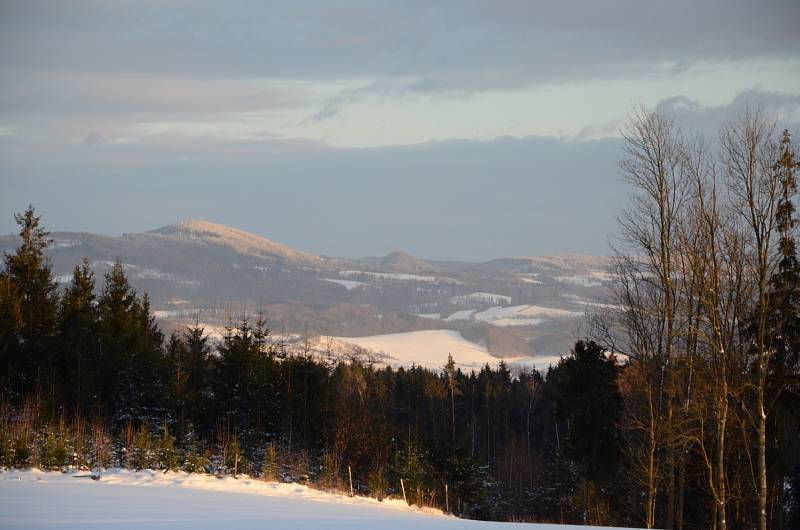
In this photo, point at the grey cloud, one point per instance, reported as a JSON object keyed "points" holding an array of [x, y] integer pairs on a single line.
{"points": [[87, 95], [442, 44], [783, 108], [192, 61]]}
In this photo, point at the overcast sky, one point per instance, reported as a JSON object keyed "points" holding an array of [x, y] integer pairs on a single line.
{"points": [[452, 130]]}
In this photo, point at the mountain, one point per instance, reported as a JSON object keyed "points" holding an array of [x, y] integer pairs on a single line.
{"points": [[214, 273], [237, 240], [399, 262]]}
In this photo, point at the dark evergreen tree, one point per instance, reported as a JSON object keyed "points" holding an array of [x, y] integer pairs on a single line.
{"points": [[10, 317], [783, 383], [78, 340], [130, 360], [245, 381], [194, 373], [590, 400], [29, 307]]}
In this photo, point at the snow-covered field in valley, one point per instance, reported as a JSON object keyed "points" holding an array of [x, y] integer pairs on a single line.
{"points": [[428, 348], [155, 501]]}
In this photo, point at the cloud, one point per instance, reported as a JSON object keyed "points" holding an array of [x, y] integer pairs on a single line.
{"points": [[783, 108], [443, 45]]}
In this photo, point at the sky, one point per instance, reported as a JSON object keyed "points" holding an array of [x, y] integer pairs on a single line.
{"points": [[451, 130]]}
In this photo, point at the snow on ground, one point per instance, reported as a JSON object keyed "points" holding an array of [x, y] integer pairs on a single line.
{"points": [[538, 362], [521, 315], [142, 273], [386, 276], [516, 315], [173, 313], [491, 298], [581, 281], [347, 284], [598, 304], [428, 348], [508, 322], [159, 501], [66, 243], [430, 316]]}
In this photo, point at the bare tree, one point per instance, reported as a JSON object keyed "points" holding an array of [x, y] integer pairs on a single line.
{"points": [[716, 272], [749, 152], [646, 287]]}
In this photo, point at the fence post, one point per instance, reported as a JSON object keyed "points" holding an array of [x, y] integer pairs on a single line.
{"points": [[446, 499], [350, 474]]}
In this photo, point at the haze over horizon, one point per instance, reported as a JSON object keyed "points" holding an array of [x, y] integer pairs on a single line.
{"points": [[462, 131]]}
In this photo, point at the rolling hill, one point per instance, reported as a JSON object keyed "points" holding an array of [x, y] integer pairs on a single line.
{"points": [[510, 307]]}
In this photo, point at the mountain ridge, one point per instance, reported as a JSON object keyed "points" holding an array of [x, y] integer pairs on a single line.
{"points": [[239, 240]]}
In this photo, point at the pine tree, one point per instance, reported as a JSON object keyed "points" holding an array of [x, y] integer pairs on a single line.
{"points": [[78, 339], [10, 319], [785, 283], [29, 305], [783, 382], [188, 354], [451, 372], [590, 399], [130, 364]]}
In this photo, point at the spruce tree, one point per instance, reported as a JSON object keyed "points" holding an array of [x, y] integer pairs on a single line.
{"points": [[589, 399], [783, 383], [10, 318], [130, 364], [78, 339], [784, 321], [29, 309], [188, 354]]}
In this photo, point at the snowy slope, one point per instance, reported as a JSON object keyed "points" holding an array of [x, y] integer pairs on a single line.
{"points": [[517, 315], [427, 348], [238, 240], [156, 501]]}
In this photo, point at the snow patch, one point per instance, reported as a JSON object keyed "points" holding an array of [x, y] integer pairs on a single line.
{"points": [[385, 276], [347, 284], [580, 281], [486, 298]]}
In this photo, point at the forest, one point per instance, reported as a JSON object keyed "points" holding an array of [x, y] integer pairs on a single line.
{"points": [[679, 409]]}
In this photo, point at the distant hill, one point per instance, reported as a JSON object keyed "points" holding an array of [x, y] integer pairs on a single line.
{"points": [[238, 240], [211, 272], [399, 262]]}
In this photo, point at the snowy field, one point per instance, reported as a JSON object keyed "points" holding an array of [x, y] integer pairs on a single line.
{"points": [[517, 315], [156, 501], [428, 348]]}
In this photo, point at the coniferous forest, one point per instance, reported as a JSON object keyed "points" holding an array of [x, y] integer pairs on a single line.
{"points": [[680, 408]]}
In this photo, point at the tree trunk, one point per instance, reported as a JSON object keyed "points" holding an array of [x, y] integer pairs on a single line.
{"points": [[762, 463]]}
